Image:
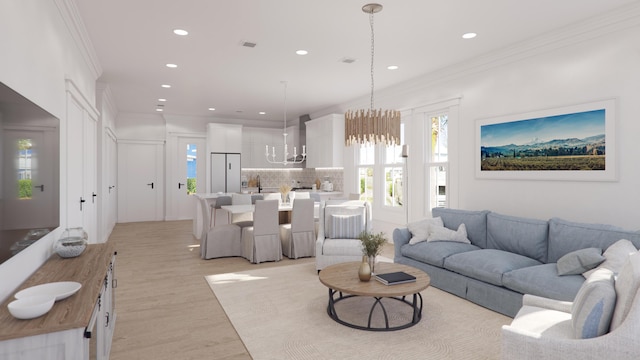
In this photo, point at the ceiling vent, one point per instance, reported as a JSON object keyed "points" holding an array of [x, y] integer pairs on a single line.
{"points": [[348, 60], [248, 44]]}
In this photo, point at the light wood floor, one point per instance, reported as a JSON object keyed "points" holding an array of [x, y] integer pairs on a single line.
{"points": [[164, 307]]}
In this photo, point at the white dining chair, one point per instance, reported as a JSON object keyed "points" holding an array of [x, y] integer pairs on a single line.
{"points": [[299, 238], [261, 242], [303, 195], [217, 213], [243, 219], [223, 240], [273, 196]]}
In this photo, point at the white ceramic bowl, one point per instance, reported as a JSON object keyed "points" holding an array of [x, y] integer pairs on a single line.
{"points": [[31, 306]]}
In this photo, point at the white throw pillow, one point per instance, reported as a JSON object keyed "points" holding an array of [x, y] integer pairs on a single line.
{"points": [[420, 229], [615, 257], [345, 226], [593, 305], [441, 233]]}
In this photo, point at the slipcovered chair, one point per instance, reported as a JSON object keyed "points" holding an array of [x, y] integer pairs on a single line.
{"points": [[299, 238], [341, 221], [261, 242], [244, 219], [303, 195], [217, 213], [603, 321], [219, 241], [273, 196]]}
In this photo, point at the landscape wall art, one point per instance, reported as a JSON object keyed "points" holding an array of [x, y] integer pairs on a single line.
{"points": [[571, 143]]}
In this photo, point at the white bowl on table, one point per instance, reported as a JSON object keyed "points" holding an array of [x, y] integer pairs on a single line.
{"points": [[30, 307]]}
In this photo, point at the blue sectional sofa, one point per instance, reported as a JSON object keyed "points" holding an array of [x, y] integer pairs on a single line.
{"points": [[508, 256]]}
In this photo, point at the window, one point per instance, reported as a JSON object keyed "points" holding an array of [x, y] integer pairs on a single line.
{"points": [[393, 173], [366, 158], [437, 159], [192, 168], [388, 174]]}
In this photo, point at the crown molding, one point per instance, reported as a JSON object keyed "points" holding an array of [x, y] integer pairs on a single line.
{"points": [[75, 25], [617, 20]]}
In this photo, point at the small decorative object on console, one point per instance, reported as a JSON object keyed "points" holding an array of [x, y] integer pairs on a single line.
{"points": [[72, 243]]}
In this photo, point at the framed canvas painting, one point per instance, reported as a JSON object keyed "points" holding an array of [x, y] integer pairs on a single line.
{"points": [[574, 143]]}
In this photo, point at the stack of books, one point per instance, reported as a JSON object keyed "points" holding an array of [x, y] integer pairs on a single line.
{"points": [[399, 277]]}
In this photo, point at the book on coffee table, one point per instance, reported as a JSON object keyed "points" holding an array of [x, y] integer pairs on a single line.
{"points": [[393, 278]]}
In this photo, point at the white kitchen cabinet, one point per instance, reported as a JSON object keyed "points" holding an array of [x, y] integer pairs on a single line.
{"points": [[224, 138], [325, 142]]}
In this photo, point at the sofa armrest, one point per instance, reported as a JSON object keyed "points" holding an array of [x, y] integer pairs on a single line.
{"points": [[546, 303], [401, 236]]}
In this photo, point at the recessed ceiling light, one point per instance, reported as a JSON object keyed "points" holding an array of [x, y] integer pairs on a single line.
{"points": [[159, 109], [262, 113], [166, 86], [180, 32], [470, 35], [392, 67], [302, 52], [173, 66], [212, 109], [162, 100]]}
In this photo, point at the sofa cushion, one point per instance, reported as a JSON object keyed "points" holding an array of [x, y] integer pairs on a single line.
{"points": [[615, 256], [487, 265], [523, 236], [543, 280], [566, 236], [627, 286], [475, 222], [441, 233], [579, 261], [345, 226], [420, 229], [434, 253], [592, 309]]}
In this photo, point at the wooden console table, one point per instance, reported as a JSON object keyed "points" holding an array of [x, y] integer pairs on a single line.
{"points": [[78, 327]]}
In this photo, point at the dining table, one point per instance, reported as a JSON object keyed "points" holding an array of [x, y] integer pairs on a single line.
{"points": [[284, 210]]}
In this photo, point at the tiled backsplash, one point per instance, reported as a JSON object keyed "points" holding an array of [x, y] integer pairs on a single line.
{"points": [[306, 177]]}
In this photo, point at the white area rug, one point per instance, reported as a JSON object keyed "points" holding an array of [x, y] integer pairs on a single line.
{"points": [[280, 313]]}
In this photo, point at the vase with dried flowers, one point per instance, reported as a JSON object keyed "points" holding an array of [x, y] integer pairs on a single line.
{"points": [[284, 191], [372, 246]]}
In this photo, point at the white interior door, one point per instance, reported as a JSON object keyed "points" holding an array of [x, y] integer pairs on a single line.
{"points": [[140, 184], [190, 175]]}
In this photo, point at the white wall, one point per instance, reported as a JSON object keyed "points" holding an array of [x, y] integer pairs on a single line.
{"points": [[38, 53], [584, 64]]}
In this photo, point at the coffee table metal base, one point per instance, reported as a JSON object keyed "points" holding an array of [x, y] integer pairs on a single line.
{"points": [[415, 304]]}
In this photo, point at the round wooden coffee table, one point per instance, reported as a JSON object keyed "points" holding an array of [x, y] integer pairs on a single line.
{"points": [[343, 279]]}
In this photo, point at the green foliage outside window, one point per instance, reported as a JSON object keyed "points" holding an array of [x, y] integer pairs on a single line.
{"points": [[191, 186], [24, 189]]}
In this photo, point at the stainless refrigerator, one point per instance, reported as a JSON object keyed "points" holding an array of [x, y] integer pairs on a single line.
{"points": [[225, 172]]}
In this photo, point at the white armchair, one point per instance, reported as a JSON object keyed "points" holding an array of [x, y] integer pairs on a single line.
{"points": [[545, 328], [340, 223]]}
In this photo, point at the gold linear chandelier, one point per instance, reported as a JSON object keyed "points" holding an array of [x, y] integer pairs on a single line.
{"points": [[372, 126]]}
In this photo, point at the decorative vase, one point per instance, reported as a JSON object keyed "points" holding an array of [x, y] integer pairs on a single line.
{"points": [[364, 272], [72, 243], [372, 263]]}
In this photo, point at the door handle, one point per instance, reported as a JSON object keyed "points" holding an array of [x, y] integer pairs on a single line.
{"points": [[180, 185], [150, 184], [93, 198], [81, 202], [40, 186], [111, 187]]}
